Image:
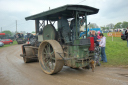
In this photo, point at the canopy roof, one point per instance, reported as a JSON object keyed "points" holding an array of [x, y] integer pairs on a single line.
{"points": [[66, 11]]}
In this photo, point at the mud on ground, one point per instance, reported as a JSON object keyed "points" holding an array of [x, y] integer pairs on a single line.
{"points": [[13, 71]]}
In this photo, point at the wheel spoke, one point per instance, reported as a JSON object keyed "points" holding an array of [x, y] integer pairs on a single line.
{"points": [[52, 52], [45, 49], [52, 63], [52, 59], [47, 64], [44, 54], [48, 46], [52, 55], [47, 61]]}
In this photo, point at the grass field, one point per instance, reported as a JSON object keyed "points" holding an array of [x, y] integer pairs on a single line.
{"points": [[116, 51], [6, 45]]}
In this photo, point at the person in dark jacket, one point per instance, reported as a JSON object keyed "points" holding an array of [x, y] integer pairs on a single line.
{"points": [[126, 33], [63, 27], [95, 38]]}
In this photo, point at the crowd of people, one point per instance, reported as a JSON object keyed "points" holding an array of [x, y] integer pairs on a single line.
{"points": [[100, 40]]}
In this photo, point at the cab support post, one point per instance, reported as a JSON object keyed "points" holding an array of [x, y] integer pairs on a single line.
{"points": [[76, 26], [86, 23], [37, 26]]}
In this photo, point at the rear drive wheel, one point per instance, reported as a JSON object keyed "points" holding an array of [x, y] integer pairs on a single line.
{"points": [[49, 56]]}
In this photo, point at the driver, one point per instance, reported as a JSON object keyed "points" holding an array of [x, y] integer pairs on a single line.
{"points": [[63, 27]]}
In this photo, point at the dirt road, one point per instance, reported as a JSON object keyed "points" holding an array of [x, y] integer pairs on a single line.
{"points": [[13, 71]]}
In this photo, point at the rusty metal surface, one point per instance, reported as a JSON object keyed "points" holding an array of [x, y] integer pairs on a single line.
{"points": [[30, 55], [43, 59]]}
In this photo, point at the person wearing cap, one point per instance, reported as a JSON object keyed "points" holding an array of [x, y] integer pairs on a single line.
{"points": [[102, 44]]}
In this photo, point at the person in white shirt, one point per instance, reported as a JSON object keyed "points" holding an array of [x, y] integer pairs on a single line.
{"points": [[102, 44]]}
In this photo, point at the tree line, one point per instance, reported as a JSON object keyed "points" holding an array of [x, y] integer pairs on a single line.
{"points": [[118, 25]]}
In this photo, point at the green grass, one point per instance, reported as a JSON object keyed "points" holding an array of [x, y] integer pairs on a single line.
{"points": [[7, 45], [116, 51]]}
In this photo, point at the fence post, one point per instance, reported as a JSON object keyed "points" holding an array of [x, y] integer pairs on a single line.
{"points": [[112, 37]]}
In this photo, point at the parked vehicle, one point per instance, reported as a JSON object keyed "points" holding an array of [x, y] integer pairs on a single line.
{"points": [[7, 41], [123, 36], [20, 38], [1, 44]]}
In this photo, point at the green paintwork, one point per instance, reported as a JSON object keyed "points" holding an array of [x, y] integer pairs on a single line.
{"points": [[49, 32], [40, 38], [77, 55]]}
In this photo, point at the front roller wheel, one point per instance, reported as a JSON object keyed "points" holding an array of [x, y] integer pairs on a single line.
{"points": [[49, 56], [28, 53]]}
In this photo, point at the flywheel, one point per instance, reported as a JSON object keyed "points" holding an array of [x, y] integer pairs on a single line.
{"points": [[49, 32]]}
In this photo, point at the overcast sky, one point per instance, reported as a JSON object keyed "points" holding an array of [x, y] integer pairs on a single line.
{"points": [[110, 11]]}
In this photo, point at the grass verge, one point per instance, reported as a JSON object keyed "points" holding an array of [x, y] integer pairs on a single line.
{"points": [[116, 51]]}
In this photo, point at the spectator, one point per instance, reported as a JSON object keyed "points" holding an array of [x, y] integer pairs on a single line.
{"points": [[95, 38], [98, 36], [126, 33], [102, 44]]}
